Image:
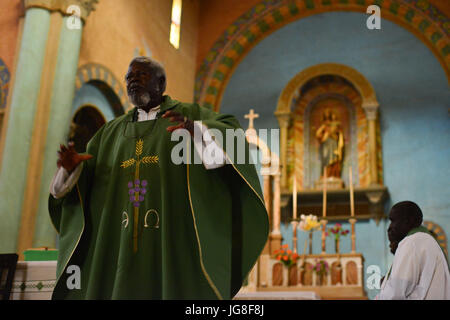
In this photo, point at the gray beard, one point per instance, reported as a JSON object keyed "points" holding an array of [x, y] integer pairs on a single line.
{"points": [[140, 100]]}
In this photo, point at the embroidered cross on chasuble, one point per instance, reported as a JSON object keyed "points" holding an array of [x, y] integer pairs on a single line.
{"points": [[138, 189], [141, 227]]}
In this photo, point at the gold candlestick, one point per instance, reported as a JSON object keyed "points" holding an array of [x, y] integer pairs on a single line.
{"points": [[352, 222], [324, 224], [324, 204], [294, 198]]}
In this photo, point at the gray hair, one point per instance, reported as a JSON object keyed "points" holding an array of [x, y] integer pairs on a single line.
{"points": [[154, 66]]}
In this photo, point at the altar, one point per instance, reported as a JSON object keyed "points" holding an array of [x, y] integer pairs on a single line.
{"points": [[33, 280], [327, 169]]}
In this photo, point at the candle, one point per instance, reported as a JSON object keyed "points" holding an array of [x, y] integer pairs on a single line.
{"points": [[294, 198], [324, 205], [352, 202]]}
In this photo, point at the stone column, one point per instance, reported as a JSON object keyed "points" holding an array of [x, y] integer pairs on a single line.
{"points": [[16, 153], [63, 91], [268, 202], [371, 111], [50, 44], [283, 120]]}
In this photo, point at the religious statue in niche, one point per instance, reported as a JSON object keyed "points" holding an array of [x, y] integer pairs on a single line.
{"points": [[330, 136], [331, 139]]}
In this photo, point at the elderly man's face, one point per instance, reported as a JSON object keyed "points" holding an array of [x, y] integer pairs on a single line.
{"points": [[142, 85]]}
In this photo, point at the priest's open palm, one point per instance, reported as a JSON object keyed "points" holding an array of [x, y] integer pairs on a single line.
{"points": [[69, 159]]}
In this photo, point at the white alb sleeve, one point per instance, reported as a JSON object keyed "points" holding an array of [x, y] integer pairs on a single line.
{"points": [[210, 153], [62, 182]]}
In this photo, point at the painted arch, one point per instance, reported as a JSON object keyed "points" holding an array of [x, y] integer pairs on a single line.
{"points": [[418, 16]]}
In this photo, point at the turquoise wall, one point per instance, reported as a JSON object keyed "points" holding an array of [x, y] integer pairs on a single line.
{"points": [[411, 87], [91, 95]]}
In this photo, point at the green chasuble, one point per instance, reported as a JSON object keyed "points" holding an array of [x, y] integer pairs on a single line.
{"points": [[141, 227]]}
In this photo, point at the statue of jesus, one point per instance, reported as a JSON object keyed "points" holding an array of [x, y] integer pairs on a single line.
{"points": [[331, 140]]}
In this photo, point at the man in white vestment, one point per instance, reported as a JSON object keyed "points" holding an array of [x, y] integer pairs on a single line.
{"points": [[420, 269]]}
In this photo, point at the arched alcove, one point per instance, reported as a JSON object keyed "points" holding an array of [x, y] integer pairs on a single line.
{"points": [[85, 123], [302, 95]]}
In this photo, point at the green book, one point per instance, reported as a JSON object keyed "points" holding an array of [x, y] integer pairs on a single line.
{"points": [[41, 254]]}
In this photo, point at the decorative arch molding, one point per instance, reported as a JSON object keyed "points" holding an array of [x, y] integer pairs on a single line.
{"points": [[4, 84], [417, 16], [438, 233], [97, 73], [360, 82], [298, 139]]}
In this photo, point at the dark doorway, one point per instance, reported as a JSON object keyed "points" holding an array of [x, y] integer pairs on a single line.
{"points": [[85, 123]]}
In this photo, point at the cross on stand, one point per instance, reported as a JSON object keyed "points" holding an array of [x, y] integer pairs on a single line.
{"points": [[251, 116]]}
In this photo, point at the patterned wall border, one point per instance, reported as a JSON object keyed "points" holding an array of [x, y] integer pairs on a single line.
{"points": [[418, 16], [439, 233], [93, 71], [33, 286], [5, 76]]}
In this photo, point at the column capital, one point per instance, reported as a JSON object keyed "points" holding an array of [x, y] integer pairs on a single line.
{"points": [[371, 110], [283, 118], [85, 6]]}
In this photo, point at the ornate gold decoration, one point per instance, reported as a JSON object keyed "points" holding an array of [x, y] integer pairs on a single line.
{"points": [[369, 104], [128, 163], [156, 226], [139, 146], [357, 79], [150, 159], [86, 6]]}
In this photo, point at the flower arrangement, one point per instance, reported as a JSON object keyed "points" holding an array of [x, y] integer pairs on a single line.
{"points": [[309, 223], [321, 267], [337, 231], [286, 256]]}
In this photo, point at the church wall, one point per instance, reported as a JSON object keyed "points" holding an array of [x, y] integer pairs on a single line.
{"points": [[10, 12], [119, 29], [215, 17], [411, 87]]}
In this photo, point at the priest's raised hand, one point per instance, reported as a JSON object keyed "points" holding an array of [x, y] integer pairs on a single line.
{"points": [[183, 122], [69, 158]]}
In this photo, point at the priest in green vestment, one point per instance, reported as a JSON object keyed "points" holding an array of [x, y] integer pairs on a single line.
{"points": [[140, 226]]}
